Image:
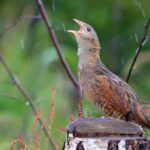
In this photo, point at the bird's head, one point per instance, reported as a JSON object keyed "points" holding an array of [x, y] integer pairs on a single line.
{"points": [[86, 36]]}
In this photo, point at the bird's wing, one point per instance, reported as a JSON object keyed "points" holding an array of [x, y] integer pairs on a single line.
{"points": [[121, 97], [118, 93]]}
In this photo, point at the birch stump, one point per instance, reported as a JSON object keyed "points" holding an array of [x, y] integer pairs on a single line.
{"points": [[105, 134]]}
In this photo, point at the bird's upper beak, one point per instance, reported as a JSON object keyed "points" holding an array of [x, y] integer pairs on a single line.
{"points": [[81, 25]]}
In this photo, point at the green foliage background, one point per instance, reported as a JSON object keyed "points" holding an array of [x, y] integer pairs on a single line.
{"points": [[29, 52]]}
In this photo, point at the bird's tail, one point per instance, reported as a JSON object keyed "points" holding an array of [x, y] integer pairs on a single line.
{"points": [[143, 118]]}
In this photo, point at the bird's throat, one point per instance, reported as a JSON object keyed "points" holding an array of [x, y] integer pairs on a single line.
{"points": [[87, 58]]}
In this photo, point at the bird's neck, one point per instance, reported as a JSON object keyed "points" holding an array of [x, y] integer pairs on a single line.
{"points": [[88, 58]]}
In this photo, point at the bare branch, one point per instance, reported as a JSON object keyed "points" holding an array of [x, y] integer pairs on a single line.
{"points": [[139, 48], [27, 98], [58, 50]]}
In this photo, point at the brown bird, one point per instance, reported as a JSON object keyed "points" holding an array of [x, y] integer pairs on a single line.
{"points": [[105, 90]]}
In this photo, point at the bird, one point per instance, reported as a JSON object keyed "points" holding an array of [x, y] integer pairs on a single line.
{"points": [[106, 91]]}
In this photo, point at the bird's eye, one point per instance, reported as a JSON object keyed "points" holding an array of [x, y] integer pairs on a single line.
{"points": [[88, 29]]}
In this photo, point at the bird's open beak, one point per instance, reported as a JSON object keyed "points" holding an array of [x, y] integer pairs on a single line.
{"points": [[81, 25]]}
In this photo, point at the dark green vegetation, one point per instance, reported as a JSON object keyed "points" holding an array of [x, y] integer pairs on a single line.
{"points": [[28, 50]]}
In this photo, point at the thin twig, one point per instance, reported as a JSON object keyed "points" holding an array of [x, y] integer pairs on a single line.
{"points": [[13, 25], [139, 48], [58, 50], [7, 82], [56, 43], [27, 98], [7, 96], [8, 28]]}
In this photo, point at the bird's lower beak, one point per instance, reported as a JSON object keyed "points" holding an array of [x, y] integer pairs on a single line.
{"points": [[81, 25], [73, 32]]}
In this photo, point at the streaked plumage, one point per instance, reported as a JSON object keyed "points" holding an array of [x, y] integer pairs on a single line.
{"points": [[105, 90]]}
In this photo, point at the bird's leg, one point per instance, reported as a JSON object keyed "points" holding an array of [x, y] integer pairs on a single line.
{"points": [[128, 116]]}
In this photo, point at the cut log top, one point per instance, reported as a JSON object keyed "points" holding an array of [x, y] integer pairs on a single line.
{"points": [[105, 134], [101, 127]]}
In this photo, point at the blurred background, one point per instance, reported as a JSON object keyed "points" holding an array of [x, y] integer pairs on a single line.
{"points": [[28, 50]]}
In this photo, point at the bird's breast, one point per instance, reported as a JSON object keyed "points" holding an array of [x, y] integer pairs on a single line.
{"points": [[97, 90], [87, 83]]}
